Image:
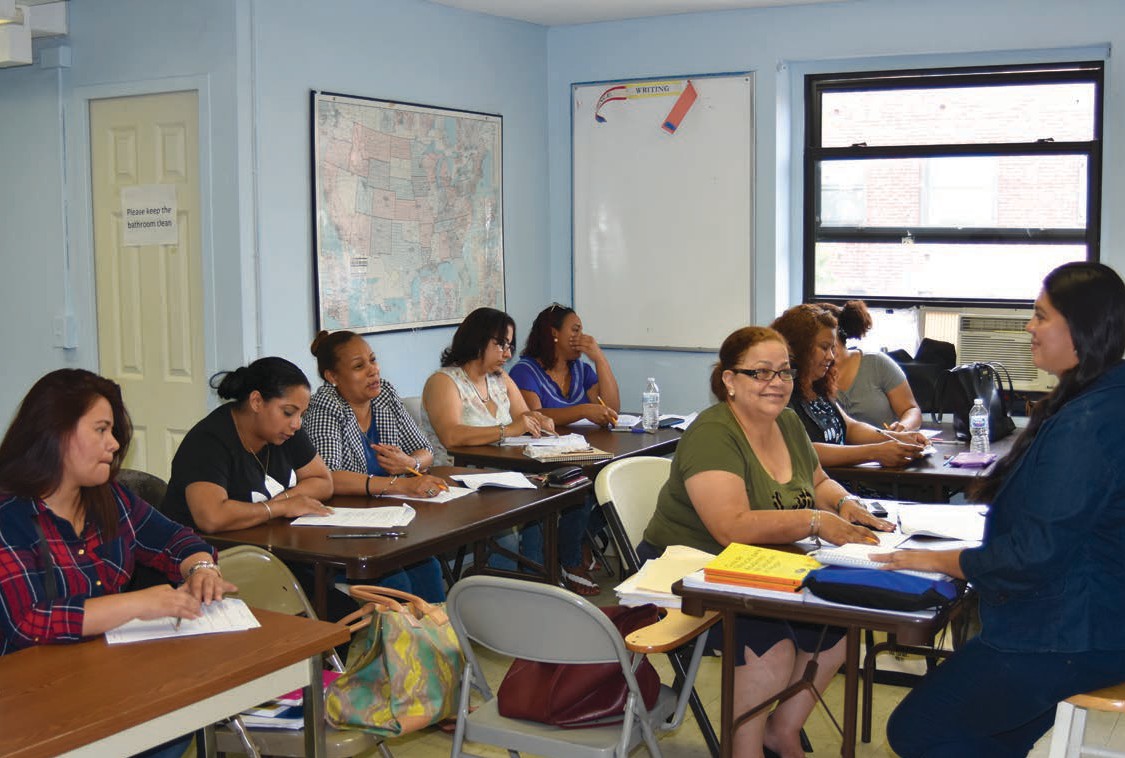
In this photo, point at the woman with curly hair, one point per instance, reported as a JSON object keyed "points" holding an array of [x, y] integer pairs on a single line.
{"points": [[839, 439]]}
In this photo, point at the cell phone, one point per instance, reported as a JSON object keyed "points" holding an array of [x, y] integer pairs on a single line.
{"points": [[566, 477], [876, 509]]}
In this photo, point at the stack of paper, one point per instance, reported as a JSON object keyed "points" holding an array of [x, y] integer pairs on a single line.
{"points": [[285, 712], [370, 518], [763, 567], [546, 440], [653, 583], [579, 453]]}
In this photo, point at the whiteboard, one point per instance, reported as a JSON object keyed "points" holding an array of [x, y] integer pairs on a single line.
{"points": [[663, 221]]}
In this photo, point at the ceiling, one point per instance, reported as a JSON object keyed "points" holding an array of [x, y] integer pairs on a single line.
{"points": [[562, 12]]}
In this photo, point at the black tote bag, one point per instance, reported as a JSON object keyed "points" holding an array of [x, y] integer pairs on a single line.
{"points": [[965, 383]]}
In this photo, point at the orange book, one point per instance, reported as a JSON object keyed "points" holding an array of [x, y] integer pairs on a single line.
{"points": [[753, 566]]}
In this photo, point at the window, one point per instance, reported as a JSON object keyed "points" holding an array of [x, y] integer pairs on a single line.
{"points": [[950, 186]]}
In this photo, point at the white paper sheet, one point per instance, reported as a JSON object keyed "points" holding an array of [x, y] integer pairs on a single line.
{"points": [[562, 440], [441, 497], [378, 518], [227, 615], [510, 479]]}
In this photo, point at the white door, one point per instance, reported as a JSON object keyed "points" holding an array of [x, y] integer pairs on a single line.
{"points": [[150, 297]]}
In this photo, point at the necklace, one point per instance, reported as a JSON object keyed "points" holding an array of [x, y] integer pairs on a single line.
{"points": [[483, 398], [264, 467]]}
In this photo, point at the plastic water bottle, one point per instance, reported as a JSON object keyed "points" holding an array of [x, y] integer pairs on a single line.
{"points": [[650, 406], [978, 427]]}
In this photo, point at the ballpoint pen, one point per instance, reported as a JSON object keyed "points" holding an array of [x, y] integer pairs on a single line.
{"points": [[364, 535]]}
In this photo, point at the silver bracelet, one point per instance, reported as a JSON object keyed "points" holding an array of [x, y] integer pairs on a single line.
{"points": [[202, 565]]}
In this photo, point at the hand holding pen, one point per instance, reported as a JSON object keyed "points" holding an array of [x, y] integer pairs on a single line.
{"points": [[609, 416], [421, 485]]}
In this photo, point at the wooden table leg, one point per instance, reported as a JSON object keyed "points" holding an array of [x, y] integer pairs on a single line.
{"points": [[726, 733], [851, 691]]}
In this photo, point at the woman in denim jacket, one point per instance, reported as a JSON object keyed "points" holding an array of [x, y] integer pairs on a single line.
{"points": [[1050, 573]]}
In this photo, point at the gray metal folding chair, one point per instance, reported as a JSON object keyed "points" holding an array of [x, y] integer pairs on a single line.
{"points": [[537, 622], [626, 490]]}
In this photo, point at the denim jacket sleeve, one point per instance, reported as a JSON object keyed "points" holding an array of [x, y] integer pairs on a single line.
{"points": [[1055, 503]]}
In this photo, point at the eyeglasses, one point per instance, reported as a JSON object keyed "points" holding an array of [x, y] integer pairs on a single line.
{"points": [[767, 375], [504, 345]]}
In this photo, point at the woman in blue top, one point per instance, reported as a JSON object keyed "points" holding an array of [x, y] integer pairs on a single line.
{"points": [[1050, 573], [554, 381], [552, 378], [371, 445]]}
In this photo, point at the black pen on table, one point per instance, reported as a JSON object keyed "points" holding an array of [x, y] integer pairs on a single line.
{"points": [[363, 535]]}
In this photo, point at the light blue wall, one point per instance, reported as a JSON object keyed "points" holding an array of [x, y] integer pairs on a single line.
{"points": [[32, 229], [778, 44]]}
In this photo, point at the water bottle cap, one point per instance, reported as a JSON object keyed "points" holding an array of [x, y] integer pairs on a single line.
{"points": [[652, 379]]}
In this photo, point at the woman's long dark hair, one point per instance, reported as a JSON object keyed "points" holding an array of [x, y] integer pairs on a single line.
{"points": [[800, 326], [541, 343], [31, 454], [1091, 297], [472, 336]]}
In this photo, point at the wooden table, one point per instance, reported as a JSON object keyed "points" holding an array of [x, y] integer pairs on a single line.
{"points": [[438, 528], [909, 628], [930, 479], [617, 444], [96, 699]]}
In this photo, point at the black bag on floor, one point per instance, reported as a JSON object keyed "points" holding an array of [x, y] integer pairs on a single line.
{"points": [[963, 384]]}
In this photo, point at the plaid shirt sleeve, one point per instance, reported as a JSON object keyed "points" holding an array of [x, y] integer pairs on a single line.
{"points": [[322, 424], [159, 542]]}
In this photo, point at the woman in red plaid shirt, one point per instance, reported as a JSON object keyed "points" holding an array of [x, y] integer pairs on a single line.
{"points": [[70, 536]]}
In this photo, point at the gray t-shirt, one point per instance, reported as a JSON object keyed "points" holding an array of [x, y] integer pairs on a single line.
{"points": [[866, 400]]}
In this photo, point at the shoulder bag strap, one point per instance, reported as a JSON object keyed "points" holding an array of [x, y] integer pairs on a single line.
{"points": [[49, 582]]}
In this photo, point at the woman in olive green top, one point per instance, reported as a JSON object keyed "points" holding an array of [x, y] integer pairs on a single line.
{"points": [[746, 472]]}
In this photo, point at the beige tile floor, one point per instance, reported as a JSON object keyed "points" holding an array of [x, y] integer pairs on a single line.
{"points": [[1102, 729]]}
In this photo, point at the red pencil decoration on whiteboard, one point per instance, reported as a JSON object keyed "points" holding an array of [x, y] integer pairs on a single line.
{"points": [[680, 109], [613, 93]]}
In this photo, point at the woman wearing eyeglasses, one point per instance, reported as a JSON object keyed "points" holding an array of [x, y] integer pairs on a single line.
{"points": [[471, 400], [839, 439], [745, 472]]}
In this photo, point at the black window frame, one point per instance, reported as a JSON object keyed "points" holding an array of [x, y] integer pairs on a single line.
{"points": [[936, 78]]}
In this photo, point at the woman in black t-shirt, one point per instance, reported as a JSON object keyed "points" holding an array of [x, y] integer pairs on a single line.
{"points": [[249, 461]]}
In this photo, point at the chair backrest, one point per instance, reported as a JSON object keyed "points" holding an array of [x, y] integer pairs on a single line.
{"points": [[413, 405], [533, 621], [632, 485], [264, 581], [144, 485]]}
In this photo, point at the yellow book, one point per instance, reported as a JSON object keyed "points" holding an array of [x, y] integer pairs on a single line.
{"points": [[759, 566]]}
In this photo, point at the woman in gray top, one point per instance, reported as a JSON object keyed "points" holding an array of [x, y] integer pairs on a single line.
{"points": [[870, 387]]}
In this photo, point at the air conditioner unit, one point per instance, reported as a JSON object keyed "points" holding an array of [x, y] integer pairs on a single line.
{"points": [[995, 337]]}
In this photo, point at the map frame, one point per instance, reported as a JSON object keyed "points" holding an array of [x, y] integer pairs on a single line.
{"points": [[348, 271]]}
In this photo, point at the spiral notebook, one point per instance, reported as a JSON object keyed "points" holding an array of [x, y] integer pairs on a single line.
{"points": [[559, 455]]}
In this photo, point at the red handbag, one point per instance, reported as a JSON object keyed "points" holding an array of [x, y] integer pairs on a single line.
{"points": [[575, 695]]}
